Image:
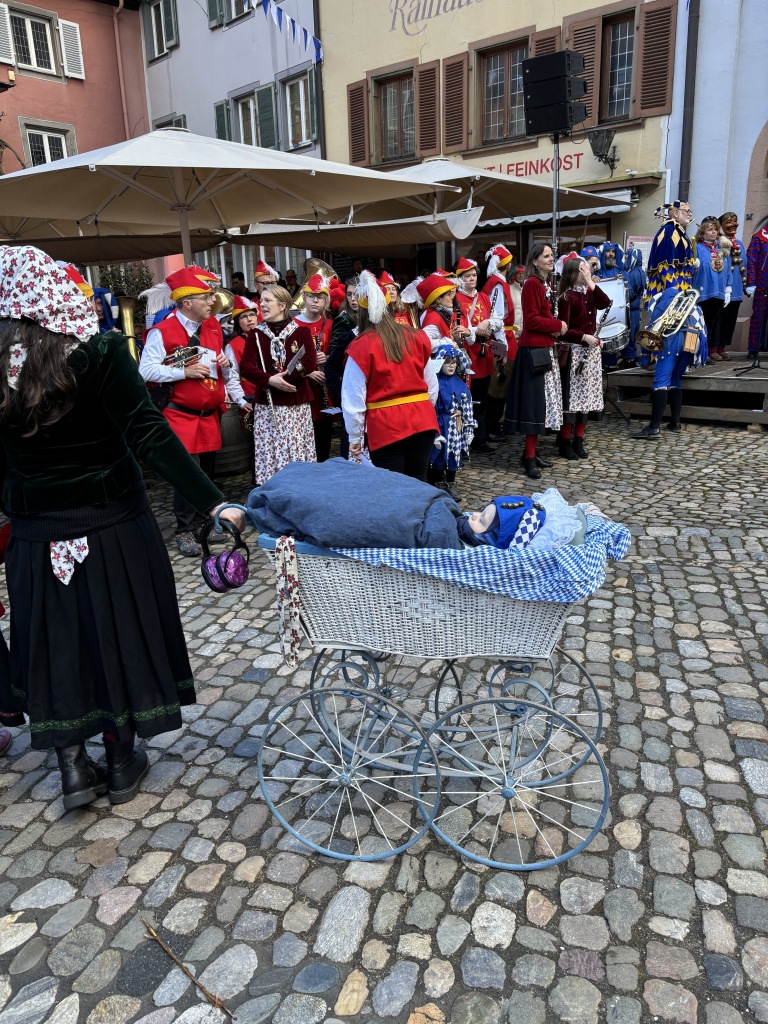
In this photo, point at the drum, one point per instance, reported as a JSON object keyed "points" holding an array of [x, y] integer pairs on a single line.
{"points": [[613, 331]]}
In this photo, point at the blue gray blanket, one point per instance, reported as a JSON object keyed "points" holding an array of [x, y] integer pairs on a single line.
{"points": [[338, 504]]}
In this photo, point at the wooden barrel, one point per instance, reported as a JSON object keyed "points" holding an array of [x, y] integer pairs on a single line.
{"points": [[236, 452]]}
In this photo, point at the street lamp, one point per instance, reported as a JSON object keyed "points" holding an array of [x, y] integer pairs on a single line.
{"points": [[601, 144]]}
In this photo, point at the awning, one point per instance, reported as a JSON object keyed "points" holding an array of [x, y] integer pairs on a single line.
{"points": [[618, 198], [381, 238]]}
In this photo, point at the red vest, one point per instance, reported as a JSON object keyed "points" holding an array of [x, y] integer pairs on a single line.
{"points": [[197, 433], [321, 336], [238, 345], [482, 365], [387, 381], [431, 318], [509, 319]]}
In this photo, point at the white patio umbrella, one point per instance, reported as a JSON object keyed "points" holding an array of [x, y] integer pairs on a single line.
{"points": [[174, 180]]}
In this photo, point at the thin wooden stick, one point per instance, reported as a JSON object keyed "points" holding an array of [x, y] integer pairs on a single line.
{"points": [[212, 999]]}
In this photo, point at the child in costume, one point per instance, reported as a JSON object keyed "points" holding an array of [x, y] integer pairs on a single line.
{"points": [[455, 418]]}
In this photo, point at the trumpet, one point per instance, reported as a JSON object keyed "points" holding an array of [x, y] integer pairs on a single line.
{"points": [[671, 321], [127, 304], [184, 356], [223, 301]]}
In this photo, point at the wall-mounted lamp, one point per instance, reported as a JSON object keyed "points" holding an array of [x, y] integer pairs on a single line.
{"points": [[601, 144]]}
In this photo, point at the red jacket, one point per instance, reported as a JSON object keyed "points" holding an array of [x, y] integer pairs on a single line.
{"points": [[251, 365], [579, 311], [538, 322], [197, 433], [387, 382], [321, 335], [482, 365]]}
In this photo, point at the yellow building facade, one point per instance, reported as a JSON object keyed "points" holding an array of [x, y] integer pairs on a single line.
{"points": [[407, 80]]}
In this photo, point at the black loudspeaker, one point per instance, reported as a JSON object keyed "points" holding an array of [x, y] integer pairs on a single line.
{"points": [[551, 90]]}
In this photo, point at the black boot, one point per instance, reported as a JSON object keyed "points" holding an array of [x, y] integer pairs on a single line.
{"points": [[126, 768], [543, 463], [530, 467], [565, 448], [82, 780], [675, 405], [651, 432], [578, 447]]}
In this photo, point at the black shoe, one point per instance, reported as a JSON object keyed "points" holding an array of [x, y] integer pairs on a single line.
{"points": [[126, 768], [578, 447], [531, 469], [496, 438], [565, 449], [82, 780], [674, 428], [482, 449], [542, 463], [648, 433]]}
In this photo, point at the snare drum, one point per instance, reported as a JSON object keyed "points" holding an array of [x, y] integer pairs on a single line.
{"points": [[613, 332]]}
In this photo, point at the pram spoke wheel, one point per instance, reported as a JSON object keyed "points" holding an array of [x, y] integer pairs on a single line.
{"points": [[340, 769], [522, 786]]}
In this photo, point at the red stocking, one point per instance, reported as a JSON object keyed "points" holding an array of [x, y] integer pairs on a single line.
{"points": [[530, 446], [580, 429]]}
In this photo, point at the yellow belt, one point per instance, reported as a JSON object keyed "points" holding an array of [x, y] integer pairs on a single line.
{"points": [[405, 400]]}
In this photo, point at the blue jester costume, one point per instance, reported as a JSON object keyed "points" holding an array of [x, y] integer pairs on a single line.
{"points": [[455, 416]]}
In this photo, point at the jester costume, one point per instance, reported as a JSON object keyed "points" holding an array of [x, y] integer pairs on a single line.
{"points": [[672, 261], [757, 278], [455, 417]]}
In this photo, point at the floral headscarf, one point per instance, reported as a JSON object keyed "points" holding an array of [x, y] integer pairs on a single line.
{"points": [[33, 286]]}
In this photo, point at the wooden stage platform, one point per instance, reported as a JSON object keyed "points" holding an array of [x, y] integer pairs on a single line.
{"points": [[714, 393]]}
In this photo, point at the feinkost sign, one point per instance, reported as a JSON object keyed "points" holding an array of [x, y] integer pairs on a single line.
{"points": [[545, 165], [411, 16]]}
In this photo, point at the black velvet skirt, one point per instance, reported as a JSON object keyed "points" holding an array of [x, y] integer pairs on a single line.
{"points": [[526, 400], [105, 652]]}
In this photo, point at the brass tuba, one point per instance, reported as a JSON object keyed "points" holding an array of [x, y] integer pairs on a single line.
{"points": [[223, 301], [671, 321], [312, 266], [126, 304]]}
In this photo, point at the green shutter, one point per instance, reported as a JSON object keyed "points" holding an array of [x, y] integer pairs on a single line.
{"points": [[312, 100], [215, 14], [170, 23], [222, 116], [149, 39], [267, 117]]}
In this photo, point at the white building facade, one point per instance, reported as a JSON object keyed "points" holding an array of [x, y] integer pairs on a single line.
{"points": [[239, 70]]}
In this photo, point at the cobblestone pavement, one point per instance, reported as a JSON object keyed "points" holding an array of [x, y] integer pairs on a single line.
{"points": [[664, 916]]}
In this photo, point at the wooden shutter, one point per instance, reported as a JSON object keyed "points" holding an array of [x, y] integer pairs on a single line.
{"points": [[170, 23], [585, 38], [266, 115], [546, 41], [7, 52], [71, 49], [358, 119], [427, 104], [312, 101], [215, 13], [656, 57], [222, 116], [455, 102]]}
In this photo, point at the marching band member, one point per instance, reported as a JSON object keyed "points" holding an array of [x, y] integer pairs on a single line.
{"points": [[245, 317], [730, 224], [481, 324], [498, 291], [316, 291], [280, 358], [712, 279], [402, 313], [635, 277], [389, 388], [581, 372], [439, 321], [263, 275], [501, 379], [671, 266], [197, 390], [535, 401], [343, 332]]}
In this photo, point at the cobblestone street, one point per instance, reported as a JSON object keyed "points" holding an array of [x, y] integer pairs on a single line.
{"points": [[664, 916]]}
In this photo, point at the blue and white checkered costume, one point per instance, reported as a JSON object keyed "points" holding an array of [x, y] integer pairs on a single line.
{"points": [[567, 574]]}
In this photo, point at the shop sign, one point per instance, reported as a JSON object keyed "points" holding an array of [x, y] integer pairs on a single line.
{"points": [[530, 168], [412, 16]]}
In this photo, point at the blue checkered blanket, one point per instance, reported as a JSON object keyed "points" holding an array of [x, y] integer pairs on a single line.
{"points": [[567, 574]]}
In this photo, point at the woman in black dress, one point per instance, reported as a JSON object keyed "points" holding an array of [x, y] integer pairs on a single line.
{"points": [[96, 639]]}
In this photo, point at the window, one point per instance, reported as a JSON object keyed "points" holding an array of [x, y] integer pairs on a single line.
{"points": [[44, 142], [174, 121], [299, 105], [501, 95], [160, 27], [618, 61], [397, 126], [255, 118], [33, 43], [238, 7]]}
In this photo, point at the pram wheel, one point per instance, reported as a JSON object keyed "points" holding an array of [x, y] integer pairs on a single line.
{"points": [[340, 769], [523, 787]]}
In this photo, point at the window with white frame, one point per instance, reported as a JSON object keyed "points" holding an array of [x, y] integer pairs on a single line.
{"points": [[237, 8], [161, 27], [46, 143], [297, 100], [255, 116], [246, 117], [158, 29], [33, 42]]}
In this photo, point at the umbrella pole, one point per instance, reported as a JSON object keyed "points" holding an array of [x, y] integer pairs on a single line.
{"points": [[186, 244]]}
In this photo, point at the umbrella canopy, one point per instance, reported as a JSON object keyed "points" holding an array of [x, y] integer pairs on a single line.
{"points": [[175, 180], [94, 249], [382, 238], [500, 194]]}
